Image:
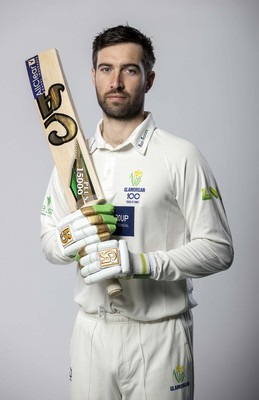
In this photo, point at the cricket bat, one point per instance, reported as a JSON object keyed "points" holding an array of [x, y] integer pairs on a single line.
{"points": [[65, 136]]}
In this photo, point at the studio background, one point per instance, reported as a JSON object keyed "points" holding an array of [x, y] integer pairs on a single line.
{"points": [[206, 90]]}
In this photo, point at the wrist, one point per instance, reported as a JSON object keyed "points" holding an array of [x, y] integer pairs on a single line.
{"points": [[141, 265]]}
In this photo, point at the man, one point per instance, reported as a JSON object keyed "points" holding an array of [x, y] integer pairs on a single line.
{"points": [[171, 227]]}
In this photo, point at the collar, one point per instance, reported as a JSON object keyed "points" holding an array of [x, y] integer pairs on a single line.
{"points": [[139, 138]]}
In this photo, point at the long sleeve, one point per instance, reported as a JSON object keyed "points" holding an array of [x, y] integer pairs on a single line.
{"points": [[54, 208], [208, 248]]}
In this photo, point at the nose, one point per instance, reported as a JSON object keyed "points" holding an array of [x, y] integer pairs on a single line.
{"points": [[117, 82]]}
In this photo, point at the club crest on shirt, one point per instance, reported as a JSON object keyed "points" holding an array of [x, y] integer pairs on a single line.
{"points": [[180, 378], [135, 177], [134, 192]]}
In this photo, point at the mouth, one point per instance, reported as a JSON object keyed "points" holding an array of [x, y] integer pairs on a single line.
{"points": [[116, 96]]}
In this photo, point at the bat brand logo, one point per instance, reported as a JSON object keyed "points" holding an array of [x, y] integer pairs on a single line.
{"points": [[47, 105], [59, 119], [50, 102]]}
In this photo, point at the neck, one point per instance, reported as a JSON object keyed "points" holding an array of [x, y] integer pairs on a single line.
{"points": [[116, 132]]}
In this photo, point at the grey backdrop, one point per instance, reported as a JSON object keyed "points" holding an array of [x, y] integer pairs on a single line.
{"points": [[206, 90]]}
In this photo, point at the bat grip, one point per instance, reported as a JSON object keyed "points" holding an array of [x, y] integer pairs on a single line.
{"points": [[113, 287]]}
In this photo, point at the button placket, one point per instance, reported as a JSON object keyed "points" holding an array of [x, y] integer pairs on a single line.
{"points": [[109, 170]]}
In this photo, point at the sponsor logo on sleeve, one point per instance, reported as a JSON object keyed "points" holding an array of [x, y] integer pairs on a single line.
{"points": [[208, 194], [46, 209]]}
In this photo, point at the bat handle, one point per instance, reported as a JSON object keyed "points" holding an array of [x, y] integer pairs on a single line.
{"points": [[113, 287]]}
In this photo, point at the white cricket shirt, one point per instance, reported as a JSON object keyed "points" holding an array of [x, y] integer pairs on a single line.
{"points": [[168, 204]]}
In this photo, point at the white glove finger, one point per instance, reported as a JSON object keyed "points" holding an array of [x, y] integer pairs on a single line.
{"points": [[69, 219], [71, 231], [101, 246], [124, 257], [89, 258], [85, 221], [91, 248], [87, 231], [104, 251], [73, 248], [79, 229], [81, 223], [102, 275], [92, 268]]}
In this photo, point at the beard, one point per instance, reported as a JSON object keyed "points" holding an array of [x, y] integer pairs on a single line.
{"points": [[131, 108]]}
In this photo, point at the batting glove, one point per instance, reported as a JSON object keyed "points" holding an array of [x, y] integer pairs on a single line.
{"points": [[90, 224], [112, 259]]}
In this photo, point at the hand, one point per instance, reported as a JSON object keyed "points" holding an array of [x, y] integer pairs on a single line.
{"points": [[112, 259], [90, 224]]}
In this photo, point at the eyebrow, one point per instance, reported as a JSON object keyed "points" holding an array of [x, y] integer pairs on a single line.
{"points": [[123, 65]]}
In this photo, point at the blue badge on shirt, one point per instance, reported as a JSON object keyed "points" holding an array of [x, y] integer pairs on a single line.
{"points": [[126, 218]]}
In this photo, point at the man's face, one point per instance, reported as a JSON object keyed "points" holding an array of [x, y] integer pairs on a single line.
{"points": [[120, 81]]}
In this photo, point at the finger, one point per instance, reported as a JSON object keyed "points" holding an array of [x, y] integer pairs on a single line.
{"points": [[92, 268], [124, 256], [101, 246], [91, 230], [94, 220], [89, 258], [73, 241], [97, 209], [102, 275], [73, 248], [69, 219], [102, 219], [93, 245]]}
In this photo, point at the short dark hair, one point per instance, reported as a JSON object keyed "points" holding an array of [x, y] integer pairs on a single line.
{"points": [[124, 34]]}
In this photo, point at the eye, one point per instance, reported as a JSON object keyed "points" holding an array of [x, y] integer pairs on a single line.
{"points": [[105, 69], [131, 70]]}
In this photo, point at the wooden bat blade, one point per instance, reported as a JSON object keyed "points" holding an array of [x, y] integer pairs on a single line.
{"points": [[62, 128], [64, 134]]}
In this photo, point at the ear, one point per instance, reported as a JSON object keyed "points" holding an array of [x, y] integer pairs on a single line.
{"points": [[150, 80], [93, 75]]}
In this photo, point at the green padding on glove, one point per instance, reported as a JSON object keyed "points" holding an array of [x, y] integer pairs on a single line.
{"points": [[77, 257], [103, 208], [112, 228], [109, 219]]}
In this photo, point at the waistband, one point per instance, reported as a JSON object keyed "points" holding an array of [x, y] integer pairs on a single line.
{"points": [[104, 316], [118, 318]]}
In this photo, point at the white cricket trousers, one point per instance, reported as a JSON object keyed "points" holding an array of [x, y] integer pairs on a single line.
{"points": [[114, 357]]}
